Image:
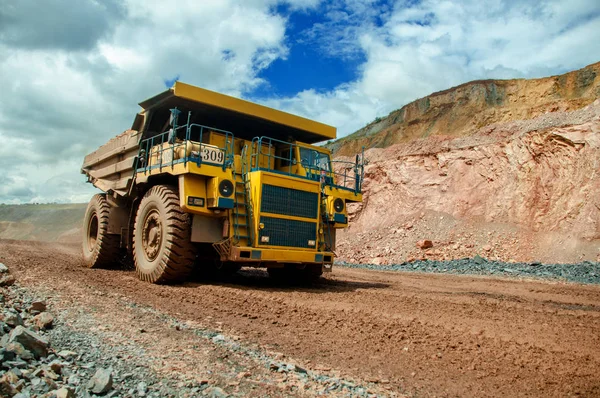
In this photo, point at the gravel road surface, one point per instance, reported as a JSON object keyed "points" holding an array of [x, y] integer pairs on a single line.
{"points": [[356, 332]]}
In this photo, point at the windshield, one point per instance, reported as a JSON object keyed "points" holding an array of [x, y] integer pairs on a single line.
{"points": [[312, 159]]}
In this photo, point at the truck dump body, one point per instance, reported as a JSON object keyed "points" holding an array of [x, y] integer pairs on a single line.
{"points": [[110, 167]]}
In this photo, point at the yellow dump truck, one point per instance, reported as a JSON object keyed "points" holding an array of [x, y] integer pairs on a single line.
{"points": [[204, 181]]}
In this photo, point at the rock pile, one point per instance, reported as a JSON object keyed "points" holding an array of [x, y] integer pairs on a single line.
{"points": [[583, 272], [29, 366]]}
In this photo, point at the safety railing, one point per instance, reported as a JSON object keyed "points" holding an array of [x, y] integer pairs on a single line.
{"points": [[183, 144], [349, 175], [274, 162], [279, 156]]}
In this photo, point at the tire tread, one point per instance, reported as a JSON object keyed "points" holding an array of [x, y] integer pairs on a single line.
{"points": [[108, 250], [179, 253]]}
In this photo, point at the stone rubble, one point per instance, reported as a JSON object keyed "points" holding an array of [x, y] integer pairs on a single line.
{"points": [[584, 272], [30, 365]]}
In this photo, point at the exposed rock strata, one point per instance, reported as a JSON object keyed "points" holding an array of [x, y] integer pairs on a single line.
{"points": [[462, 110], [535, 181]]}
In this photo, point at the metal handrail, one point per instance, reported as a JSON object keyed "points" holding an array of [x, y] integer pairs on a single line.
{"points": [[257, 152], [148, 145], [344, 180]]}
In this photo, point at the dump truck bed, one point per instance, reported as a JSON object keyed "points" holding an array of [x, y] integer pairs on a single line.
{"points": [[110, 167]]}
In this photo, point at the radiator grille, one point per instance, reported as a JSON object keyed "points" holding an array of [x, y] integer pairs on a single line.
{"points": [[289, 202], [290, 233]]}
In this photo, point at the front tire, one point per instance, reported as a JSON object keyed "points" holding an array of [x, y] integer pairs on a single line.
{"points": [[162, 250], [100, 249]]}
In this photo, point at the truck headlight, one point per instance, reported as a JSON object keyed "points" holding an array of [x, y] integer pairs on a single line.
{"points": [[338, 205], [226, 188]]}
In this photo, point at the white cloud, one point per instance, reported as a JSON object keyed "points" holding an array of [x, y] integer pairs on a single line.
{"points": [[429, 46], [68, 87], [65, 93]]}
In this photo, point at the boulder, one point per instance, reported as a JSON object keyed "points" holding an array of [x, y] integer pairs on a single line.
{"points": [[32, 341], [43, 320], [424, 244], [63, 392], [3, 269], [37, 307], [101, 382], [7, 280]]}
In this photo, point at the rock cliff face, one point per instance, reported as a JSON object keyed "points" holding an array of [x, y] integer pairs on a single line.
{"points": [[462, 110], [520, 181]]}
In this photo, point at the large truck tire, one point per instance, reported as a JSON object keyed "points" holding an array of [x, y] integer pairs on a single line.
{"points": [[162, 250], [100, 249]]}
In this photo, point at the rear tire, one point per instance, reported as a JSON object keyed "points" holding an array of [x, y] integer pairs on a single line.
{"points": [[100, 249], [162, 250]]}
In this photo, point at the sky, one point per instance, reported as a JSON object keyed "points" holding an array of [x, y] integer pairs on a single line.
{"points": [[72, 73]]}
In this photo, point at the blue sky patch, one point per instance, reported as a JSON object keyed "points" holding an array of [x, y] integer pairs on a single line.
{"points": [[313, 61]]}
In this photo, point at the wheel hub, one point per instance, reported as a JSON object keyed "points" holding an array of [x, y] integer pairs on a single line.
{"points": [[152, 235], [92, 232]]}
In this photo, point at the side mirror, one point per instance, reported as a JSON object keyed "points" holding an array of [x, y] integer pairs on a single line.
{"points": [[174, 116]]}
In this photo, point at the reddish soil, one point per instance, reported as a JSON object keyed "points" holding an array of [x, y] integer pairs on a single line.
{"points": [[418, 334]]}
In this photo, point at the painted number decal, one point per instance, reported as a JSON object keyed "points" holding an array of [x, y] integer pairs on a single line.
{"points": [[212, 155]]}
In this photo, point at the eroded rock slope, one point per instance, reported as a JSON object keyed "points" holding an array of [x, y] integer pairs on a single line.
{"points": [[522, 190]]}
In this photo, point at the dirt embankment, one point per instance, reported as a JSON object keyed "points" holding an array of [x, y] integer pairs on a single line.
{"points": [[525, 191]]}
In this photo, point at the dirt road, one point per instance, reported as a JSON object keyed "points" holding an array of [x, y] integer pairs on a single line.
{"points": [[415, 334]]}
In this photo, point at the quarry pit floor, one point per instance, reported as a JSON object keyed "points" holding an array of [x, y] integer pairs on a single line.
{"points": [[374, 332]]}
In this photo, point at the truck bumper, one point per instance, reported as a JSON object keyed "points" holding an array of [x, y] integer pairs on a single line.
{"points": [[266, 257]]}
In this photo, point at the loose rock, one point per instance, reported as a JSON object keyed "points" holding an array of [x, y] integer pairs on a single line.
{"points": [[101, 382], [215, 392], [64, 392], [142, 388], [7, 280], [424, 244], [32, 341], [12, 319], [43, 320], [18, 350], [37, 307], [66, 354]]}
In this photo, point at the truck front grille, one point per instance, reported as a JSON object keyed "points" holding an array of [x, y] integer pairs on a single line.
{"points": [[290, 233], [289, 202]]}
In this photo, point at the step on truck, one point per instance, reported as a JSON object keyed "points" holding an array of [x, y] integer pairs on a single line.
{"points": [[210, 183]]}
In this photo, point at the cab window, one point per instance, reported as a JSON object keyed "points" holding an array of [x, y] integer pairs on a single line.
{"points": [[311, 159]]}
